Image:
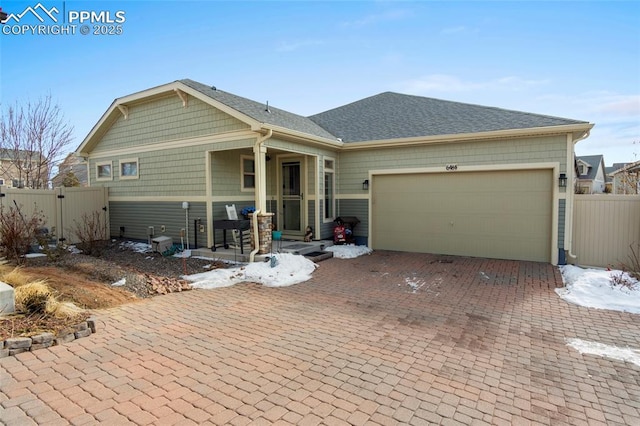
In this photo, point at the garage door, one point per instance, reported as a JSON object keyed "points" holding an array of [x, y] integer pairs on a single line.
{"points": [[501, 215]]}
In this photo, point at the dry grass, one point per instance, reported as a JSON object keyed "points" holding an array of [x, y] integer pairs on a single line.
{"points": [[33, 297], [37, 308], [15, 276]]}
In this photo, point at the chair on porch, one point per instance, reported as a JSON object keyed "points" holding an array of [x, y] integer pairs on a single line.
{"points": [[232, 214]]}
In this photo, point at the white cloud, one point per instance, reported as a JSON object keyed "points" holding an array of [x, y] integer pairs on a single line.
{"points": [[620, 105]]}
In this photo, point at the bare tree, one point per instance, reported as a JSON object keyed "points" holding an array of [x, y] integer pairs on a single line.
{"points": [[32, 140]]}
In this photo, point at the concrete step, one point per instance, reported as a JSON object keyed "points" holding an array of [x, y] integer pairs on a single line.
{"points": [[318, 256]]}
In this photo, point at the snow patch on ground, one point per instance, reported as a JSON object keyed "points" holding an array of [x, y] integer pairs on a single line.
{"points": [[414, 283], [135, 246], [607, 351], [120, 283], [348, 251], [289, 269], [592, 288]]}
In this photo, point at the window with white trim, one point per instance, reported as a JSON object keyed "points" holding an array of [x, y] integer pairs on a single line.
{"points": [[104, 170], [129, 168], [329, 189], [248, 171]]}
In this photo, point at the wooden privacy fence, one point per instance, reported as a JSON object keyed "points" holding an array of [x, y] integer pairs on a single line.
{"points": [[604, 226], [61, 207]]}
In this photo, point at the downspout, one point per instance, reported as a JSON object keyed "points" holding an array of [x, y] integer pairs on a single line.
{"points": [[259, 151], [254, 219], [569, 212]]}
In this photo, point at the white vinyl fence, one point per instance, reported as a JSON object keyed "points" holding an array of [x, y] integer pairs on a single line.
{"points": [[604, 227], [61, 207]]}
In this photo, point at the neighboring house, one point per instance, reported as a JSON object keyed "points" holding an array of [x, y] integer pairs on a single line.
{"points": [[591, 174], [626, 178], [421, 174], [608, 170], [72, 170], [20, 169]]}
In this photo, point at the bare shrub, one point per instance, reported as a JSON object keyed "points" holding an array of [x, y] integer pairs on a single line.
{"points": [[17, 232], [91, 231], [630, 275], [53, 251], [633, 266], [622, 280], [33, 298]]}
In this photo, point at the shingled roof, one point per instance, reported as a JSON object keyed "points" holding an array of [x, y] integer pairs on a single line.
{"points": [[392, 115], [593, 161], [258, 111]]}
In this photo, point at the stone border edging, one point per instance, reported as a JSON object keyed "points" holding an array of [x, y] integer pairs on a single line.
{"points": [[16, 345]]}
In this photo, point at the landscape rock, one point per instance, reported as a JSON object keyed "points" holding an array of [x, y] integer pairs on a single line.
{"points": [[43, 338], [14, 343], [82, 333]]}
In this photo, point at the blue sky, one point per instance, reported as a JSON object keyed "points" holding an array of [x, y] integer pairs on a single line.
{"points": [[576, 59]]}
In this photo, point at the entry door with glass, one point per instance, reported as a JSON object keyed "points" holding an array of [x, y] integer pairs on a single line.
{"points": [[292, 197]]}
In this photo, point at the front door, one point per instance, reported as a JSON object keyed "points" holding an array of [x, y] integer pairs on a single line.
{"points": [[292, 197]]}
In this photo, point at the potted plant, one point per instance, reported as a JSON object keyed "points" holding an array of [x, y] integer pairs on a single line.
{"points": [[275, 234], [246, 211]]}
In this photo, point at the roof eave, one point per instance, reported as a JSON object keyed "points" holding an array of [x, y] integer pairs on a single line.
{"points": [[631, 167], [298, 136], [579, 131]]}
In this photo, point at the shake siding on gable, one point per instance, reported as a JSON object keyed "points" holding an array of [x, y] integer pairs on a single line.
{"points": [[163, 120]]}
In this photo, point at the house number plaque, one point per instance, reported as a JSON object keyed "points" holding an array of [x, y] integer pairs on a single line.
{"points": [[451, 167]]}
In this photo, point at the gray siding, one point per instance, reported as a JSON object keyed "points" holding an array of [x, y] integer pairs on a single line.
{"points": [[562, 208], [137, 216], [311, 213], [359, 209]]}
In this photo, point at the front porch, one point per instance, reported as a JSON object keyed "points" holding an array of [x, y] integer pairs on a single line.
{"points": [[314, 250]]}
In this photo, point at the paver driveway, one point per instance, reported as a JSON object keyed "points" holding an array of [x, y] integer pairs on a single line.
{"points": [[391, 338]]}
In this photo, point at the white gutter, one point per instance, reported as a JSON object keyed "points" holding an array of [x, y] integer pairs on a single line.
{"points": [[256, 238], [569, 205], [464, 137]]}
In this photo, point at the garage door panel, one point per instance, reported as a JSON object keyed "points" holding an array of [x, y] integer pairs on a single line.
{"points": [[505, 214]]}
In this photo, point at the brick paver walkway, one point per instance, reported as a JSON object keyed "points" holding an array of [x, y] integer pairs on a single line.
{"points": [[391, 338]]}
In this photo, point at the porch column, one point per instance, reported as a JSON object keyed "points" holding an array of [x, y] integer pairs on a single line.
{"points": [[259, 159], [264, 232]]}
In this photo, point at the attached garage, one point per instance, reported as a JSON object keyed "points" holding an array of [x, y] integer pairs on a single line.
{"points": [[494, 214]]}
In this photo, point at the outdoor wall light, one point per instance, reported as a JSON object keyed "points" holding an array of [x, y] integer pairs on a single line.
{"points": [[562, 180], [365, 185]]}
